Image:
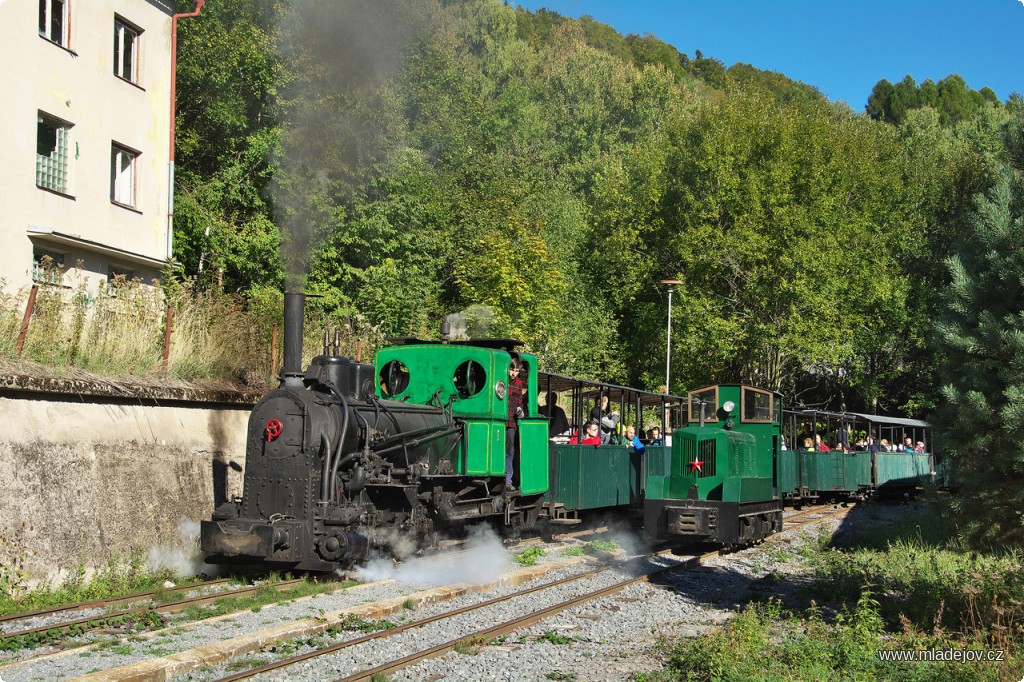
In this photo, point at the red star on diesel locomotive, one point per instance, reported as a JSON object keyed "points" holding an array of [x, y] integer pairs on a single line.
{"points": [[696, 465]]}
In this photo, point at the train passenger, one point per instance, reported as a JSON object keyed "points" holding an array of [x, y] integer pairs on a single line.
{"points": [[559, 424], [515, 412], [843, 438], [860, 445], [805, 434], [886, 447], [908, 445], [591, 435], [819, 444], [608, 420], [632, 440], [919, 448], [654, 436], [808, 445]]}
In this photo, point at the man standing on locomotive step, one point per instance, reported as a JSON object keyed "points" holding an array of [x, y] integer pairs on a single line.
{"points": [[515, 411]]}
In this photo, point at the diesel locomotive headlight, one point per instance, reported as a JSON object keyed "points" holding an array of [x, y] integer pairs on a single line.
{"points": [[729, 406], [499, 390]]}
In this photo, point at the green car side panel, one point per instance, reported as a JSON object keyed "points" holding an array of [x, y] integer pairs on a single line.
{"points": [[476, 448], [533, 455], [858, 470], [787, 471], [592, 477], [903, 469], [496, 455]]}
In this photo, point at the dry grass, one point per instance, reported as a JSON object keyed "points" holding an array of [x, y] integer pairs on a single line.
{"points": [[216, 338]]}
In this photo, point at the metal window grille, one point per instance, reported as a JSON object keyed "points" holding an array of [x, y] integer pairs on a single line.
{"points": [[52, 155], [704, 451]]}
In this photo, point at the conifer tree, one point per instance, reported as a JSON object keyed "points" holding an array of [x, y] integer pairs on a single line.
{"points": [[981, 424]]}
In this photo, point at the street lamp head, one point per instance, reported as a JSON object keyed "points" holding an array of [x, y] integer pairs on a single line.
{"points": [[670, 283]]}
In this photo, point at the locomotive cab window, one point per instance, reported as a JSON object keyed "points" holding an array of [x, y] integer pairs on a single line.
{"points": [[393, 378], [470, 378], [707, 395], [757, 406]]}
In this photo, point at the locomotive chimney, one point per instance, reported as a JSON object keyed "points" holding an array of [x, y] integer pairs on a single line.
{"points": [[294, 311]]}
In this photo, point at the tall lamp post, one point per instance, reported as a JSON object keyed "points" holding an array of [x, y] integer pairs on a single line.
{"points": [[671, 284]]}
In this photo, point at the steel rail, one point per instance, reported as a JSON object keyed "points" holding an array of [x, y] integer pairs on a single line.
{"points": [[137, 596], [170, 607], [489, 633], [531, 618]]}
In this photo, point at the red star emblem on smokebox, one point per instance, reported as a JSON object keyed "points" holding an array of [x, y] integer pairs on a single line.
{"points": [[696, 465]]}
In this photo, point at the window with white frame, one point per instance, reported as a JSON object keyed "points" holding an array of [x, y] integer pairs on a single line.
{"points": [[122, 174], [52, 152], [53, 21], [126, 50]]}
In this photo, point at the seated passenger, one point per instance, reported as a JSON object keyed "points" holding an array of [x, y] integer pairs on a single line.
{"points": [[860, 445], [885, 445], [808, 445], [819, 444], [908, 445], [591, 433], [654, 436], [632, 440], [559, 424], [919, 448]]}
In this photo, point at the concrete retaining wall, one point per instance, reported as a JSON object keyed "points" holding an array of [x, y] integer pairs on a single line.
{"points": [[87, 479]]}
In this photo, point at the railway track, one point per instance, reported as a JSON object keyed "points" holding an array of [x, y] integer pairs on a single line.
{"points": [[108, 602], [222, 645], [150, 612], [499, 629]]}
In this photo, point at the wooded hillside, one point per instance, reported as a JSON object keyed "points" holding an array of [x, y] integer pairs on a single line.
{"points": [[539, 175]]}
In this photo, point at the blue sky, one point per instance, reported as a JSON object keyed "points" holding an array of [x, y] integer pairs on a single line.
{"points": [[842, 48]]}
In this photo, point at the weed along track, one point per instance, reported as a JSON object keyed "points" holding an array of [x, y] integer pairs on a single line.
{"points": [[142, 617], [395, 627], [9, 623]]}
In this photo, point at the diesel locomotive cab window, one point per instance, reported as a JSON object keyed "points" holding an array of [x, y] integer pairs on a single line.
{"points": [[469, 378], [394, 378], [707, 395], [757, 406]]}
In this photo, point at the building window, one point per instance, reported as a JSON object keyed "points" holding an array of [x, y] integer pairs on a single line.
{"points": [[52, 153], [126, 50], [47, 266], [122, 175], [119, 277], [53, 21]]}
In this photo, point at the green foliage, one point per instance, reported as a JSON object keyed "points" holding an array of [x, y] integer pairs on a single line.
{"points": [[548, 172], [982, 418], [552, 637], [950, 97], [529, 556]]}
